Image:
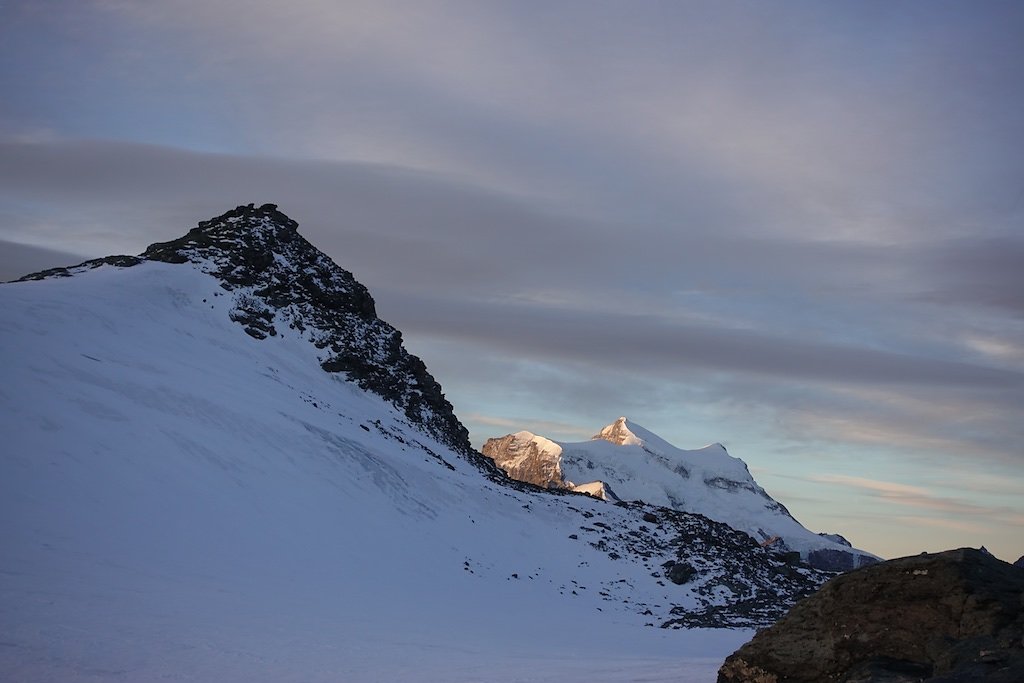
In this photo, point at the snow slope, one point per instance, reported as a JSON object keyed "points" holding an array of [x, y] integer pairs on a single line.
{"points": [[181, 501], [639, 465], [183, 498]]}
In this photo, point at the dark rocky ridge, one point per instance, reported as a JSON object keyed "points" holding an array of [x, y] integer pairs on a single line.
{"points": [[721, 559], [277, 280], [722, 578], [949, 617]]}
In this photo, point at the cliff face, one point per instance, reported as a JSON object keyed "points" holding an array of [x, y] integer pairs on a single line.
{"points": [[955, 616], [526, 457]]}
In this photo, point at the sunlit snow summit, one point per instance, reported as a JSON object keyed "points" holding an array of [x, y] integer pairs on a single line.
{"points": [[625, 461]]}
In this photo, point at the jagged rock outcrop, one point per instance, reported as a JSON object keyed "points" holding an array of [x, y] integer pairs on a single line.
{"points": [[949, 617], [279, 281]]}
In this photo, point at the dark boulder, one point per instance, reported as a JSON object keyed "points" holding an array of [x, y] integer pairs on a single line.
{"points": [[680, 573], [949, 617]]}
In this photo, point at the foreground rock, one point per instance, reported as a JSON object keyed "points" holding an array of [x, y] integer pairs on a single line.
{"points": [[951, 617]]}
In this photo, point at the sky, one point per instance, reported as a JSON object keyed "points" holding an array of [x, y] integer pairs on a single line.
{"points": [[794, 228]]}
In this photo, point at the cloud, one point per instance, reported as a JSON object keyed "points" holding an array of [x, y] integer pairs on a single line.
{"points": [[461, 233], [887, 489], [648, 343], [944, 524], [922, 498], [985, 271], [20, 259], [546, 428], [996, 348], [753, 119]]}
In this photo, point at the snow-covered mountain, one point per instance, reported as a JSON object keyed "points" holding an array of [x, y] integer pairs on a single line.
{"points": [[639, 465], [217, 463]]}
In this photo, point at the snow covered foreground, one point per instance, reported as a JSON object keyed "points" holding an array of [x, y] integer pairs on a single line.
{"points": [[182, 502]]}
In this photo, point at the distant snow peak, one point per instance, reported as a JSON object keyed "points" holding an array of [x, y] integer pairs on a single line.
{"points": [[641, 466], [619, 433], [542, 444], [524, 456]]}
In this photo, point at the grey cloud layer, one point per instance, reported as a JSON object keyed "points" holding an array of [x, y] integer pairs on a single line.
{"points": [[857, 120], [465, 233], [19, 259]]}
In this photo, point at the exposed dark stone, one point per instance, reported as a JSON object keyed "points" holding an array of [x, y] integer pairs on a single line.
{"points": [[650, 518], [680, 573], [835, 560], [792, 557], [120, 261], [838, 538], [760, 587], [729, 485], [955, 616], [1019, 562]]}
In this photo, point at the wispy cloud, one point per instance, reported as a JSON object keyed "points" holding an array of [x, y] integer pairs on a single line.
{"points": [[547, 428], [919, 497], [944, 523], [887, 489], [1005, 350]]}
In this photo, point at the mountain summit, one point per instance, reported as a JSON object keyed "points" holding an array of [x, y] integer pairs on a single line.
{"points": [[278, 281], [637, 464]]}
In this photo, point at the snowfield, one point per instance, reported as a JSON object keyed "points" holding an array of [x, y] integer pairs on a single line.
{"points": [[182, 502]]}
